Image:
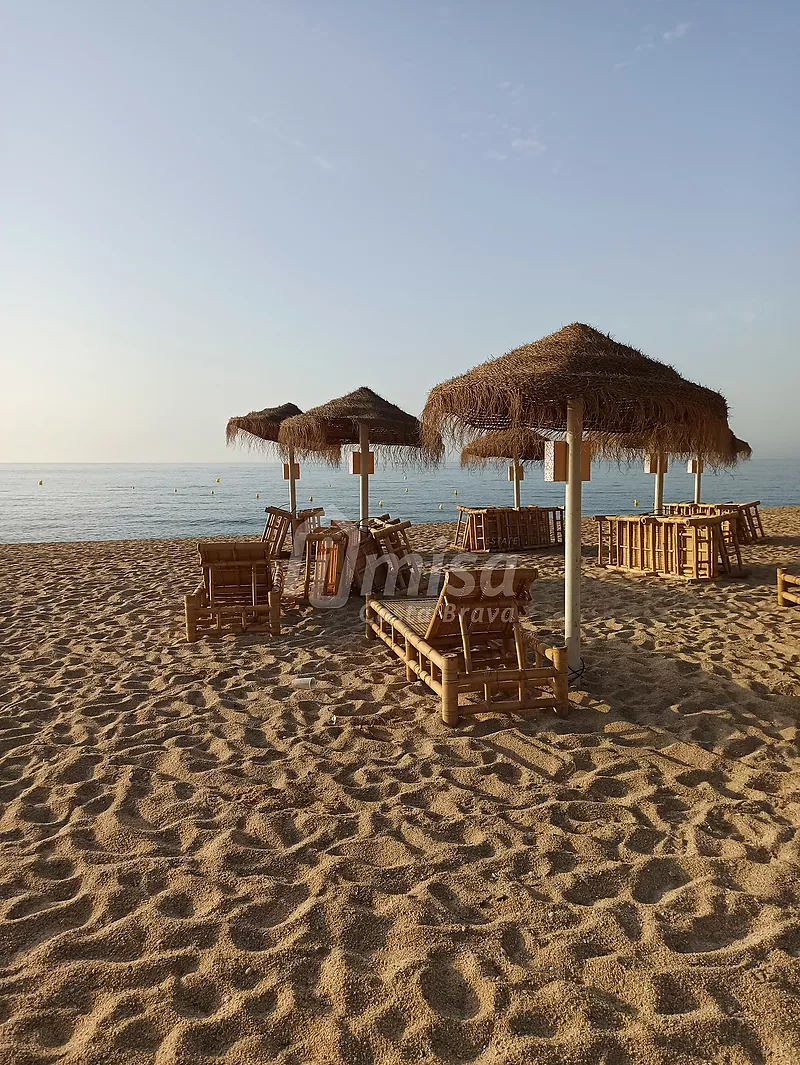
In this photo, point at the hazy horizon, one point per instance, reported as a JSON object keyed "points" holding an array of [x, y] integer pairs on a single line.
{"points": [[211, 210]]}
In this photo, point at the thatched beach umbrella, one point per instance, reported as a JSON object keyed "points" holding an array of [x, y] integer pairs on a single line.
{"points": [[732, 451], [363, 418], [260, 428], [504, 445], [580, 380]]}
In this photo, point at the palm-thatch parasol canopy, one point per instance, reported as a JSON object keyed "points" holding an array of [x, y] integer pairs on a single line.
{"points": [[325, 429], [623, 393], [363, 418], [260, 429], [259, 426], [525, 446]]}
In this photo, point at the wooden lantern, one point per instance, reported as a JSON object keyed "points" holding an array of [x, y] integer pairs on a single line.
{"points": [[291, 470], [555, 460], [355, 462]]}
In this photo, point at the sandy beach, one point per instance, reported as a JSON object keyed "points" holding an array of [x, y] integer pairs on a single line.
{"points": [[200, 863]]}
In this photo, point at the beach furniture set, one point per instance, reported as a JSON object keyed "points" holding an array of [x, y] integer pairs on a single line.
{"points": [[467, 644], [695, 548], [508, 528], [749, 529], [243, 583]]}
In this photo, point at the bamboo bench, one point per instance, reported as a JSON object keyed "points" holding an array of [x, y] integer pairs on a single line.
{"points": [[785, 582], [238, 589], [702, 547], [506, 529], [469, 641]]}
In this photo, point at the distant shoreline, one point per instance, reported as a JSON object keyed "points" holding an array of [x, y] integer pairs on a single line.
{"points": [[427, 528]]}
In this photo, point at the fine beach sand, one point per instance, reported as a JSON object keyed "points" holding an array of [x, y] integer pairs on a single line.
{"points": [[198, 864]]}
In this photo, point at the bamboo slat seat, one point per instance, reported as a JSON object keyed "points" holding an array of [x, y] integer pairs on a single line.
{"points": [[238, 589], [469, 641], [417, 613]]}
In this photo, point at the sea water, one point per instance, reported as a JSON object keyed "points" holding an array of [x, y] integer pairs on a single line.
{"points": [[119, 501]]}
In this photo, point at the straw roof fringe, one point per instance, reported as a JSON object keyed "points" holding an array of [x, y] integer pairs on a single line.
{"points": [[323, 431], [733, 450], [259, 428], [501, 445], [625, 394]]}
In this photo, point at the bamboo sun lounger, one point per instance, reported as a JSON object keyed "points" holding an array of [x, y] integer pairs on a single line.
{"points": [[238, 589], [788, 588], [469, 642]]}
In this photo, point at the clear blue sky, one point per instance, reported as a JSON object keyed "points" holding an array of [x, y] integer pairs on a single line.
{"points": [[211, 207]]}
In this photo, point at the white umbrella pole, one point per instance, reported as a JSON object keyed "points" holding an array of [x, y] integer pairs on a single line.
{"points": [[516, 484], [658, 501], [363, 444], [292, 484], [572, 535], [698, 476]]}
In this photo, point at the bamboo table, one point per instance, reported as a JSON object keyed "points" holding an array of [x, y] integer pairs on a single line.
{"points": [[507, 529], [695, 548]]}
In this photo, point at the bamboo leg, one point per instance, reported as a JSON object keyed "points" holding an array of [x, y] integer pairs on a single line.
{"points": [[781, 588], [449, 691], [410, 674], [191, 618], [275, 613]]}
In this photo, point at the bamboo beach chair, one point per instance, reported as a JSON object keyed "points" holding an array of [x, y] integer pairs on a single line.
{"points": [[280, 523], [238, 589], [403, 566], [469, 641]]}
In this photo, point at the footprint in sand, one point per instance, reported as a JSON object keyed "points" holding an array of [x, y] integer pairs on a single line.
{"points": [[448, 990], [657, 878]]}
